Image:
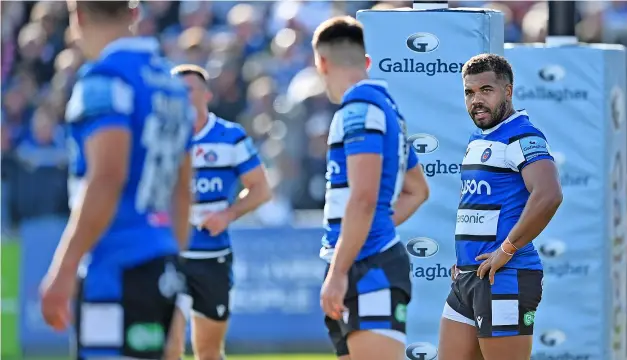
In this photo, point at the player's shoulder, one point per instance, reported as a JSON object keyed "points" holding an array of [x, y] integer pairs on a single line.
{"points": [[366, 91], [100, 89], [521, 127], [231, 132]]}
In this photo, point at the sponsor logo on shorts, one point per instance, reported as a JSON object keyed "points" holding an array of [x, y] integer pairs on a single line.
{"points": [[171, 282], [421, 351], [146, 337], [400, 313], [422, 247], [529, 318]]}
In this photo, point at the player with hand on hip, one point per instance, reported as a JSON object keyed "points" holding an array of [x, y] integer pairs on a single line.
{"points": [[510, 192], [130, 128], [222, 156], [374, 183]]}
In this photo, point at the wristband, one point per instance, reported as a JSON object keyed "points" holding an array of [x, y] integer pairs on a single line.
{"points": [[511, 243], [505, 251]]}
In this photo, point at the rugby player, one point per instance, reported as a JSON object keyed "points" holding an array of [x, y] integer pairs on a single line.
{"points": [[510, 191], [223, 156], [130, 128], [374, 184]]}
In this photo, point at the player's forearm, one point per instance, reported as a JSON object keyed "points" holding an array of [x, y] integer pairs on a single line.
{"points": [[537, 214], [356, 225], [249, 200], [88, 221], [406, 205], [180, 217]]}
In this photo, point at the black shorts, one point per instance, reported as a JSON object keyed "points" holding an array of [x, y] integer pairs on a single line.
{"points": [[127, 312], [209, 282], [379, 290], [506, 308]]}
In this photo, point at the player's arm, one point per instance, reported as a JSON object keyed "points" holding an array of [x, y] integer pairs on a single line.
{"points": [[181, 202], [364, 126], [531, 155], [102, 117], [414, 193], [252, 174]]}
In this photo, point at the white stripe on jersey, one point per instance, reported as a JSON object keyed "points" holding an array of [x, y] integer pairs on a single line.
{"points": [[199, 211], [241, 152], [225, 155], [375, 120], [475, 151], [75, 186], [477, 222], [335, 202]]}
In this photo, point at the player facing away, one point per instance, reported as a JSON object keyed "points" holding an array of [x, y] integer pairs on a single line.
{"points": [[223, 156], [130, 128], [510, 191], [374, 183]]}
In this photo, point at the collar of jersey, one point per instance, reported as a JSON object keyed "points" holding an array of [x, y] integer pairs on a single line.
{"points": [[512, 117], [211, 121], [131, 44]]}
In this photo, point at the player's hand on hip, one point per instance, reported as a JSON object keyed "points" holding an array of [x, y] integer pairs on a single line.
{"points": [[492, 262], [56, 290], [332, 295], [217, 222], [454, 272]]}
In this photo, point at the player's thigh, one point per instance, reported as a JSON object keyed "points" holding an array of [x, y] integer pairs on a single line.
{"points": [[127, 312], [458, 332], [375, 345], [209, 283], [176, 340], [508, 308]]}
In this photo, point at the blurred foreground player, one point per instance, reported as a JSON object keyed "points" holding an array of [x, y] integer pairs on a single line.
{"points": [[374, 184], [222, 155], [130, 127], [510, 192]]}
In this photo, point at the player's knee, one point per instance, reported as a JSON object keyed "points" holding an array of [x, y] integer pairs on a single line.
{"points": [[206, 355]]}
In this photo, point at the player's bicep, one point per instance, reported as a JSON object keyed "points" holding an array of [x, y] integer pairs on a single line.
{"points": [[100, 102], [415, 181], [364, 176], [107, 153], [542, 175], [255, 177], [527, 149], [363, 126], [246, 156]]}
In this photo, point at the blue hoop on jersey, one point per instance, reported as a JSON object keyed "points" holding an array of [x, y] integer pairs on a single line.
{"points": [[367, 122], [221, 154], [493, 192]]}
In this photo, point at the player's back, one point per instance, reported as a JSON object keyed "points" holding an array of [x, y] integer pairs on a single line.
{"points": [[493, 193], [130, 86], [370, 105]]}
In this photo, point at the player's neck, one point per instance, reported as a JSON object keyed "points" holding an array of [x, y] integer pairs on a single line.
{"points": [[101, 37], [201, 122], [349, 78]]}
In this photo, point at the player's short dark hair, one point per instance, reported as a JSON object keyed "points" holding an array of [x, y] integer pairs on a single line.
{"points": [[191, 69], [489, 62], [337, 30], [108, 9]]}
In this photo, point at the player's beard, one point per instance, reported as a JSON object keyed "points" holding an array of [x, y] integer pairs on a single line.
{"points": [[497, 115]]}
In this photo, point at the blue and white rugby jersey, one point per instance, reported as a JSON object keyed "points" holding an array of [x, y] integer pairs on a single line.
{"points": [[493, 193], [367, 122], [130, 86], [221, 153]]}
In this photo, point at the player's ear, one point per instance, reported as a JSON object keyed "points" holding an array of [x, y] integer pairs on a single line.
{"points": [[368, 62], [509, 90], [208, 96]]}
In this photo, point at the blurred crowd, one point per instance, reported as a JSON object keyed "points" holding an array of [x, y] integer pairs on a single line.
{"points": [[259, 58]]}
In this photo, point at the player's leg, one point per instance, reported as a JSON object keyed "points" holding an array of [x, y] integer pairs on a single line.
{"points": [[458, 332], [211, 312], [509, 309], [378, 320], [338, 339], [175, 349]]}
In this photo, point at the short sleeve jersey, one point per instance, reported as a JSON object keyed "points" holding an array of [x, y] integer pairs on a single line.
{"points": [[493, 192]]}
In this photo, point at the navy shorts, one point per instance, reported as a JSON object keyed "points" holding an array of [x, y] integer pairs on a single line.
{"points": [[209, 282], [506, 308], [127, 312], [379, 290]]}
